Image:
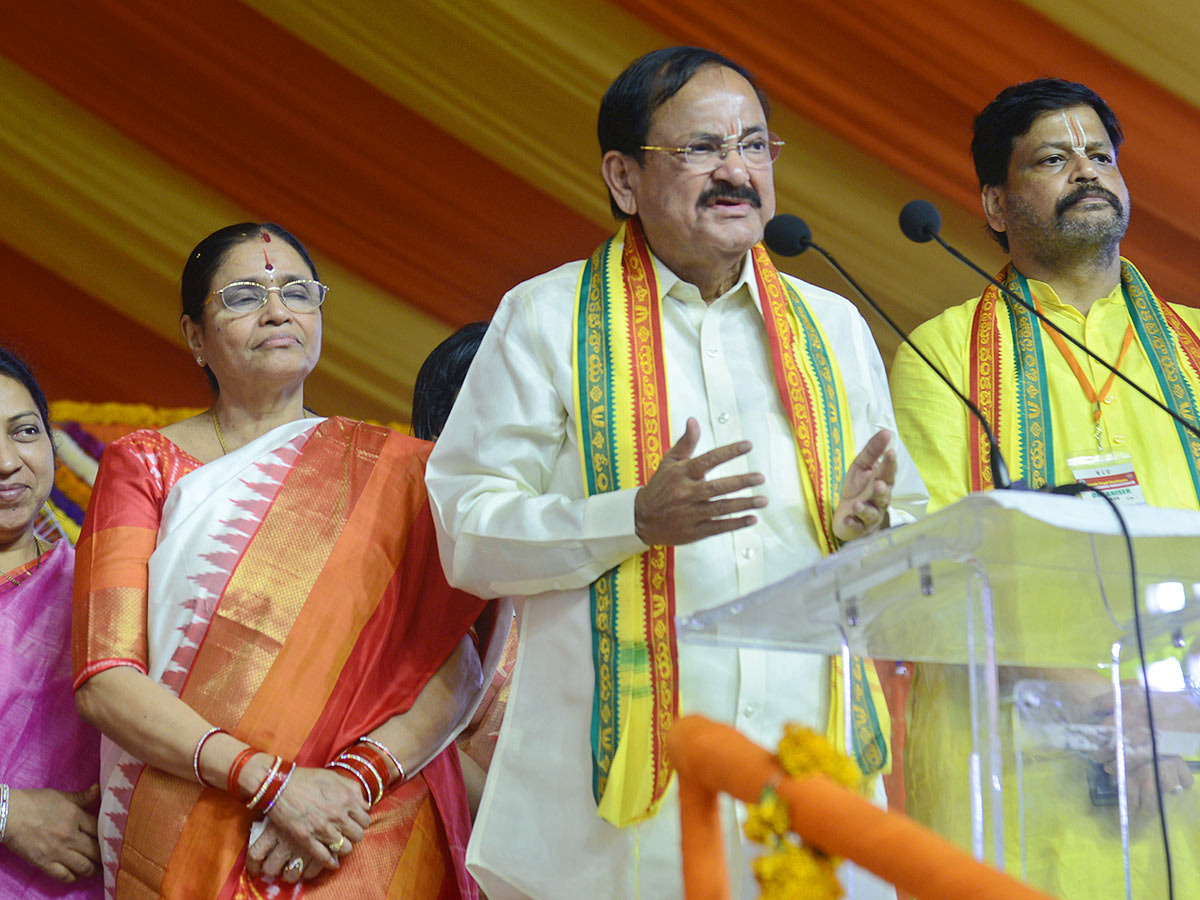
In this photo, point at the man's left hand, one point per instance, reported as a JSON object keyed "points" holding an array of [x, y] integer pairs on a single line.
{"points": [[866, 490]]}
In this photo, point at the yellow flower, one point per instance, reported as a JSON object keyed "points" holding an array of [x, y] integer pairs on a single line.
{"points": [[804, 752], [796, 873], [133, 414], [767, 820]]}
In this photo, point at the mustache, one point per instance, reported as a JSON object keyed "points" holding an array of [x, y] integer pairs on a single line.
{"points": [[723, 191], [1084, 192]]}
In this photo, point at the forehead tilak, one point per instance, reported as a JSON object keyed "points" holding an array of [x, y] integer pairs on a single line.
{"points": [[1076, 133], [266, 239]]}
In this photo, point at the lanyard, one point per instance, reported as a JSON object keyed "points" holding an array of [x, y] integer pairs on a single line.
{"points": [[1089, 391]]}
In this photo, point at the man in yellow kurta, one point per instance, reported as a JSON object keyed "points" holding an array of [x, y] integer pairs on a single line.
{"points": [[1045, 152]]}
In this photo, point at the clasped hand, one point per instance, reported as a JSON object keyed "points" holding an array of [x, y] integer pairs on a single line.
{"points": [[312, 815], [679, 504]]}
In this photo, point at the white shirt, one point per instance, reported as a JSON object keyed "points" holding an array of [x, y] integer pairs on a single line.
{"points": [[513, 518]]}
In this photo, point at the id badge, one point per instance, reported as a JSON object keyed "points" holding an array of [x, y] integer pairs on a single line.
{"points": [[1113, 473]]}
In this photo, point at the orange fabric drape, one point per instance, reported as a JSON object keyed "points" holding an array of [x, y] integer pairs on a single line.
{"points": [[713, 758], [284, 130], [903, 81]]}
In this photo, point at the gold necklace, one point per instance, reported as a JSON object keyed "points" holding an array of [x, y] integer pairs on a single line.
{"points": [[217, 426], [36, 566], [221, 438]]}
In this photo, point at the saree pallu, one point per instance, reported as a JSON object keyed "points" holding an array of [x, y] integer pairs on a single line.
{"points": [[46, 744], [294, 597]]}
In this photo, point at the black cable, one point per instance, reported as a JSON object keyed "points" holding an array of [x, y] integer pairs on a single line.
{"points": [[1075, 490]]}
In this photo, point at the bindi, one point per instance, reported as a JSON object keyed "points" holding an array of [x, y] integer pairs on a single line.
{"points": [[1077, 134]]}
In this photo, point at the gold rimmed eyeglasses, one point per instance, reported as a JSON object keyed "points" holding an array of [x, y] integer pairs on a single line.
{"points": [[304, 295], [758, 151]]}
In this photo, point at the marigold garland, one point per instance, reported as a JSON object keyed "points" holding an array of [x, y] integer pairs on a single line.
{"points": [[793, 871], [73, 487], [138, 415]]}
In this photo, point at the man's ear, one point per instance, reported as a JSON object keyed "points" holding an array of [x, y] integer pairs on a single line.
{"points": [[621, 173], [993, 197]]}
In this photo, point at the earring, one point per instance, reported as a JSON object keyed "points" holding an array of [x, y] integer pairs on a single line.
{"points": [[200, 361]]}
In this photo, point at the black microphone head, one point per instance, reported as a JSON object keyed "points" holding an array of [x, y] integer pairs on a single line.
{"points": [[920, 221], [787, 235]]}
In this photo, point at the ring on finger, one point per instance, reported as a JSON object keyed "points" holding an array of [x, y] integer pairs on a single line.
{"points": [[296, 865], [337, 845]]}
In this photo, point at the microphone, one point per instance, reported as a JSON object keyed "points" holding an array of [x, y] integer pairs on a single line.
{"points": [[787, 235], [920, 221], [790, 235]]}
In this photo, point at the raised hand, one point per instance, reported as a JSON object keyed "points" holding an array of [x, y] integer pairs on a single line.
{"points": [[680, 505], [866, 490]]}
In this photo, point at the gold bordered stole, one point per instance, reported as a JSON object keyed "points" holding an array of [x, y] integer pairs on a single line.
{"points": [[1164, 339], [814, 399], [622, 427], [1031, 420]]}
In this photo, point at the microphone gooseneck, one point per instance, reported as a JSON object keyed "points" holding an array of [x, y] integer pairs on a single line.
{"points": [[790, 235], [920, 221]]}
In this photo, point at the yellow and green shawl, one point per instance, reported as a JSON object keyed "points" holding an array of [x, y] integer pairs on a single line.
{"points": [[1171, 347], [623, 430]]}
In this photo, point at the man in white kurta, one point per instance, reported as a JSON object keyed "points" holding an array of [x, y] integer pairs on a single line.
{"points": [[514, 519]]}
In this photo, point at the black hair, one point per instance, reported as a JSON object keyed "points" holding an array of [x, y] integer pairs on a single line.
{"points": [[15, 368], [1011, 115], [440, 377], [646, 84], [206, 257]]}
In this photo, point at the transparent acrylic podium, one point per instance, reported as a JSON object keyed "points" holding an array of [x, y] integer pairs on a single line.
{"points": [[1028, 694]]}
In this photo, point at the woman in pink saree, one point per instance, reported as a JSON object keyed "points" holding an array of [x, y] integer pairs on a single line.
{"points": [[49, 759]]}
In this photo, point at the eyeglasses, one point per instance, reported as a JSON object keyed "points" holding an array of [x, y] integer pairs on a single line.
{"points": [[705, 155], [305, 295]]}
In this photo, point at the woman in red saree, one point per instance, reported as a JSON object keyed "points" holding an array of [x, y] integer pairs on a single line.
{"points": [[273, 575]]}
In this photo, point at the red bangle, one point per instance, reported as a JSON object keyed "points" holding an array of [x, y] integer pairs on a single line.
{"points": [[276, 764], [377, 761], [239, 763], [370, 741], [347, 770], [279, 774], [368, 770], [272, 795]]}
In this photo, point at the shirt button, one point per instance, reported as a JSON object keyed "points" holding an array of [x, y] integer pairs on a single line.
{"points": [[748, 710], [723, 418], [1108, 399], [711, 352], [748, 553], [1118, 438]]}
